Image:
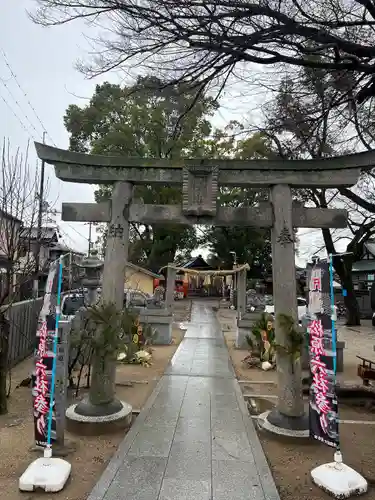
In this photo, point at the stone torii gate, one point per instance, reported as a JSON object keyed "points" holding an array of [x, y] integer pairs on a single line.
{"points": [[200, 180]]}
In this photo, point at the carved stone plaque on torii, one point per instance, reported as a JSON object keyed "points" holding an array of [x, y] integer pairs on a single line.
{"points": [[200, 180]]}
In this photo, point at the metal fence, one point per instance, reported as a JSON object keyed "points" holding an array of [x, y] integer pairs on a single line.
{"points": [[23, 318]]}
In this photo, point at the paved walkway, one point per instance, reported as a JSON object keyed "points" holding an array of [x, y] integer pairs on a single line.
{"points": [[193, 440]]}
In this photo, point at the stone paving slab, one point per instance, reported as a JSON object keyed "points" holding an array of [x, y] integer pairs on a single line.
{"points": [[194, 439]]}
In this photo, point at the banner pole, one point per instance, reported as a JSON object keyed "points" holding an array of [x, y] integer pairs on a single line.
{"points": [[48, 450], [47, 472], [338, 454]]}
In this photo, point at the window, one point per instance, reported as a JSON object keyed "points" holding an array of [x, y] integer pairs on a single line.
{"points": [[301, 302]]}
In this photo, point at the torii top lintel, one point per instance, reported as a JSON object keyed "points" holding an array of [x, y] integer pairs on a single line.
{"points": [[96, 169]]}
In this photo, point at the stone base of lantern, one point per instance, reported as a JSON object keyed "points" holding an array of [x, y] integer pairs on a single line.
{"points": [[86, 419], [280, 425], [161, 322]]}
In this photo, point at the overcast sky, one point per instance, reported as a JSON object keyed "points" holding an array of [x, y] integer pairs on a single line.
{"points": [[42, 59]]}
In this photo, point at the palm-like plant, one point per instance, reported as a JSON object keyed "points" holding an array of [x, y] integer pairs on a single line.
{"points": [[263, 342], [295, 335], [117, 331]]}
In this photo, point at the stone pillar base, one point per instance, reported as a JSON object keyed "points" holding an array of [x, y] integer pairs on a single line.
{"points": [[164, 336], [241, 334], [244, 326], [162, 325], [280, 425], [91, 420], [340, 346]]}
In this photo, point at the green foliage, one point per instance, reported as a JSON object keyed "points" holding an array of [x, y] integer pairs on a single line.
{"points": [[148, 121], [107, 328], [117, 331], [295, 336], [104, 331], [263, 344]]}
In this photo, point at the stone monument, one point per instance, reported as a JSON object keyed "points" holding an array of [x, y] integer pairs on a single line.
{"points": [[200, 180]]}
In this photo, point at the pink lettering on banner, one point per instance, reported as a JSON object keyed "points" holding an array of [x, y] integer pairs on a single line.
{"points": [[316, 346], [317, 365], [322, 402], [41, 424], [319, 371], [41, 404], [324, 423], [316, 329], [320, 383]]}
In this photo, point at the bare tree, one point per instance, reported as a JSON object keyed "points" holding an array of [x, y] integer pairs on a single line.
{"points": [[201, 42], [18, 216], [303, 122]]}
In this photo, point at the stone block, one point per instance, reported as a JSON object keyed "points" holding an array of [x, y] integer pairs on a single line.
{"points": [[244, 327], [235, 479], [189, 461], [138, 478], [161, 323], [241, 338], [153, 442], [180, 489], [340, 346]]}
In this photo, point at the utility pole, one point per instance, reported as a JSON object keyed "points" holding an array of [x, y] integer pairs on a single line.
{"points": [[39, 230], [70, 270], [90, 225]]}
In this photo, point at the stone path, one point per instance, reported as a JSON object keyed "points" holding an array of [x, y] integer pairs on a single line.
{"points": [[193, 440]]}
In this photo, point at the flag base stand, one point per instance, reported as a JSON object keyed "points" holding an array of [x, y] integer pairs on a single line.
{"points": [[338, 479], [47, 473]]}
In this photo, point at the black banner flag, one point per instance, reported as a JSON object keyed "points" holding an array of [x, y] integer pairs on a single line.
{"points": [[323, 403]]}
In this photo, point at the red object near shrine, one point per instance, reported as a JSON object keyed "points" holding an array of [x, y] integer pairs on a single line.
{"points": [[180, 286]]}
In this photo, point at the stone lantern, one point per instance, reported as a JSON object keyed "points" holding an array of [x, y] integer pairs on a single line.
{"points": [[93, 267]]}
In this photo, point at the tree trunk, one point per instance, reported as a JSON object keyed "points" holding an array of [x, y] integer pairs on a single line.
{"points": [[343, 267], [353, 317], [4, 345]]}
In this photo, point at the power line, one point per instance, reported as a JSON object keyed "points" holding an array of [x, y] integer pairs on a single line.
{"points": [[25, 95], [19, 106], [15, 115], [65, 235], [79, 234]]}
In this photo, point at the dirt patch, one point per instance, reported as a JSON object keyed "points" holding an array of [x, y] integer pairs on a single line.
{"points": [[241, 370], [292, 463], [92, 453]]}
